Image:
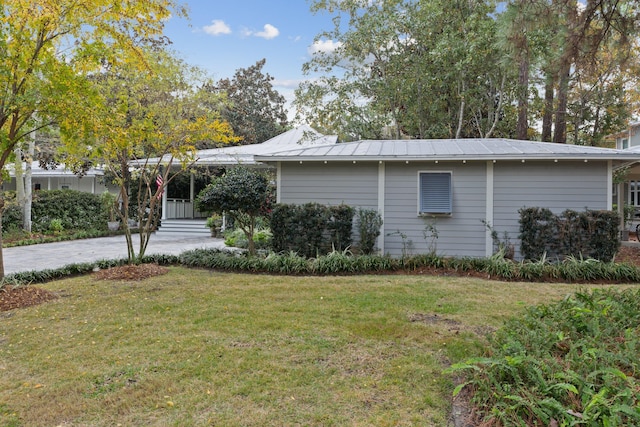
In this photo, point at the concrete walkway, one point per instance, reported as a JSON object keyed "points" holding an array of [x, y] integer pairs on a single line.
{"points": [[55, 255]]}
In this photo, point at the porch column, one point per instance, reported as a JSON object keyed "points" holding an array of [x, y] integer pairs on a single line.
{"points": [[620, 204], [164, 202]]}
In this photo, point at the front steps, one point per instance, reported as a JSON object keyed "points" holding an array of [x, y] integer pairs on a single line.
{"points": [[184, 227]]}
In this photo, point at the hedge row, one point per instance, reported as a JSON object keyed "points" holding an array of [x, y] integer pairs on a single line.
{"points": [[590, 233], [311, 229], [571, 270], [75, 210]]}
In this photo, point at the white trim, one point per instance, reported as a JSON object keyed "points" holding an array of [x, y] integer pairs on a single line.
{"points": [[609, 185], [164, 203], [381, 203], [278, 182], [489, 209]]}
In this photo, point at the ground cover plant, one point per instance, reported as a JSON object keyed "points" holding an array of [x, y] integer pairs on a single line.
{"points": [[571, 362], [196, 347]]}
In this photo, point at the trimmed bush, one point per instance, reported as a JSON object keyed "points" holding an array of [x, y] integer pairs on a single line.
{"points": [[311, 229], [75, 209], [11, 216], [589, 234], [369, 223]]}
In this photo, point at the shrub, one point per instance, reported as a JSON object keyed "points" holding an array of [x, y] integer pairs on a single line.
{"points": [[11, 216], [536, 231], [311, 229], [55, 226], [580, 234], [243, 194], [238, 239], [572, 362], [75, 209], [341, 226], [369, 223]]}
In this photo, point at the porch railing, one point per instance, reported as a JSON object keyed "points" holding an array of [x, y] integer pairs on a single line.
{"points": [[182, 209]]}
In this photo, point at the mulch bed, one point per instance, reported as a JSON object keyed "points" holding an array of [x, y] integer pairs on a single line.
{"points": [[23, 296], [131, 272], [12, 298]]}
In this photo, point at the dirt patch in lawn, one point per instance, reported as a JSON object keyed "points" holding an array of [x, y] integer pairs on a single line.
{"points": [[23, 296], [131, 272]]}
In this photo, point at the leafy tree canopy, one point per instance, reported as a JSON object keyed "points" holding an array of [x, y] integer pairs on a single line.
{"points": [[459, 68], [241, 193], [256, 110], [150, 118], [49, 46]]}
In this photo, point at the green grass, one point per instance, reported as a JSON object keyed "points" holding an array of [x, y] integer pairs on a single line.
{"points": [[196, 348]]}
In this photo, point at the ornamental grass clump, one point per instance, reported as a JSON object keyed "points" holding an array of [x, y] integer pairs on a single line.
{"points": [[574, 362]]}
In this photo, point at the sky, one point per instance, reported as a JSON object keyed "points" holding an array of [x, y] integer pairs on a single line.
{"points": [[222, 36]]}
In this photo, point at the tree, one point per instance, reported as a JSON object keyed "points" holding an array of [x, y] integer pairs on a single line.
{"points": [[580, 52], [146, 123], [46, 47], [425, 69], [256, 111], [241, 193]]}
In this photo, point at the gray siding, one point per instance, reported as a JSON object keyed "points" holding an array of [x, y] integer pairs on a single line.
{"points": [[330, 184], [556, 186], [461, 234]]}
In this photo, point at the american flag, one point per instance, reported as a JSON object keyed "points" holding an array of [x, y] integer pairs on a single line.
{"points": [[159, 182]]}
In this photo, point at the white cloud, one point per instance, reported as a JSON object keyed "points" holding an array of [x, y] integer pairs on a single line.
{"points": [[288, 83], [323, 46], [216, 28], [269, 32]]}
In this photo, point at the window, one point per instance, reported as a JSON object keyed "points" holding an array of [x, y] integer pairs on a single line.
{"points": [[624, 143], [434, 193], [634, 193]]}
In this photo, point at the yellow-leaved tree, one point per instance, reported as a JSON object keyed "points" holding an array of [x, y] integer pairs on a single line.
{"points": [[144, 129], [47, 47]]}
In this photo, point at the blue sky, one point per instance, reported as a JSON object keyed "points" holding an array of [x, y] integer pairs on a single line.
{"points": [[223, 36]]}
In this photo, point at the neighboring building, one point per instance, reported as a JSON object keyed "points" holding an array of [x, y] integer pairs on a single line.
{"points": [[59, 179], [452, 185], [627, 138]]}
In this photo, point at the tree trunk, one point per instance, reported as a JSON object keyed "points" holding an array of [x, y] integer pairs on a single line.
{"points": [[522, 127], [461, 111], [28, 187], [19, 173], [560, 131], [547, 117], [1, 254]]}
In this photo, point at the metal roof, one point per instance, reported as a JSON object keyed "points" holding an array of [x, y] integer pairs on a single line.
{"points": [[449, 149], [60, 170], [302, 136]]}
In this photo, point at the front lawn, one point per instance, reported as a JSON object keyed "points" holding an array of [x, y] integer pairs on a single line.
{"points": [[196, 348]]}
